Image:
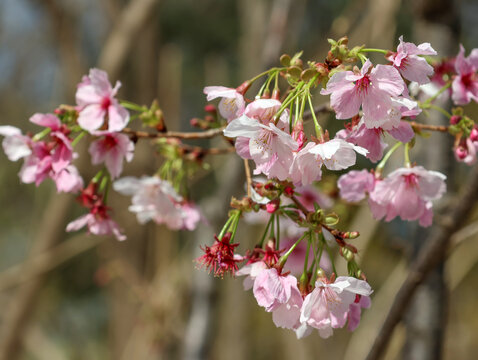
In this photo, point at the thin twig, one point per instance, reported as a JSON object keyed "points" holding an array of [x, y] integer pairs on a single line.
{"points": [[248, 177], [430, 255], [176, 134], [441, 128]]}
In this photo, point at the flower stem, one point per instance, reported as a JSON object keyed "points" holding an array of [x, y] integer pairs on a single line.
{"points": [[406, 154], [41, 134], [430, 99], [375, 50], [132, 106], [284, 257], [78, 138], [318, 129], [382, 163]]}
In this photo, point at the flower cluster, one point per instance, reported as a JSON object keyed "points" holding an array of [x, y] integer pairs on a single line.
{"points": [[290, 268]]}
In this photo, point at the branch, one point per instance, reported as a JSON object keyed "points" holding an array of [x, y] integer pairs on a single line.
{"points": [[419, 126], [176, 134], [431, 254]]}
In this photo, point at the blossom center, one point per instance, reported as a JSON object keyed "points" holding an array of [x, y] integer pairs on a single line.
{"points": [[362, 85], [411, 180], [105, 102]]}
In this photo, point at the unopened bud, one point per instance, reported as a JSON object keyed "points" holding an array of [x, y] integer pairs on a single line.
{"points": [[474, 134], [351, 235], [461, 152], [272, 206], [210, 109], [194, 122], [320, 274], [455, 119], [289, 191], [347, 254], [209, 119]]}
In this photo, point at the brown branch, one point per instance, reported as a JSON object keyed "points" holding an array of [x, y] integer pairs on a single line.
{"points": [[431, 254], [419, 126], [176, 134], [248, 177]]}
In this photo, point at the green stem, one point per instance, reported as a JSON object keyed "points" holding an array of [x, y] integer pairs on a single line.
{"points": [[284, 257], [98, 175], [41, 134], [430, 99], [362, 58], [78, 138], [375, 50], [318, 129], [234, 224], [132, 106], [382, 163], [278, 231], [266, 230], [406, 153], [443, 111], [224, 228]]}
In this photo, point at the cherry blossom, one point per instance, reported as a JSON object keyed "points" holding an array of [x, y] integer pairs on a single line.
{"points": [[15, 145], [336, 154], [372, 88], [327, 306], [220, 258], [98, 222], [232, 102], [465, 83], [271, 289], [112, 149], [97, 105], [156, 199], [270, 147], [408, 192], [411, 66]]}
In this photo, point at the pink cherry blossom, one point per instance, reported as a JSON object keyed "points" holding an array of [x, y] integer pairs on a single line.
{"points": [[156, 199], [373, 89], [68, 179], [465, 83], [355, 310], [250, 271], [370, 139], [466, 151], [61, 150], [98, 222], [411, 66], [15, 145], [95, 97], [270, 147], [232, 102], [354, 185], [112, 149], [327, 306], [272, 289], [408, 192]]}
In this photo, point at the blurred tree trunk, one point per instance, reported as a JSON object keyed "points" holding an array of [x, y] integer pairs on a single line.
{"points": [[436, 22]]}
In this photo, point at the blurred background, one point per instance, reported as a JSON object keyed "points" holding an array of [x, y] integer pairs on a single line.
{"points": [[74, 296]]}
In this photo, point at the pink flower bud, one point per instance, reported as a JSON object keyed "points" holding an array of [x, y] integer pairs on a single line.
{"points": [[474, 135], [455, 119], [272, 206], [461, 152], [210, 109]]}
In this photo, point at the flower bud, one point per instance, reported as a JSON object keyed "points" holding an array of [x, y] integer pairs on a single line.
{"points": [[461, 152], [209, 108], [272, 206], [455, 119], [474, 134]]}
